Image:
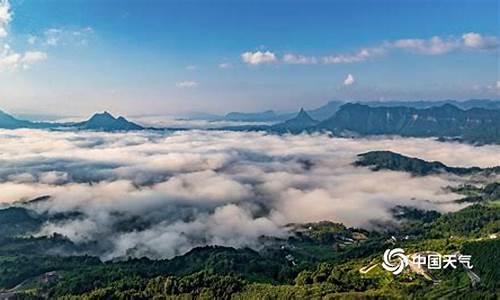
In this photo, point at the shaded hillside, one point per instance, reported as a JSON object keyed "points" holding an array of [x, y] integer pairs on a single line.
{"points": [[387, 160], [16, 221], [9, 122], [326, 111]]}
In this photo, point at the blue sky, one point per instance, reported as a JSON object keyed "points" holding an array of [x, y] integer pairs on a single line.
{"points": [[173, 57]]}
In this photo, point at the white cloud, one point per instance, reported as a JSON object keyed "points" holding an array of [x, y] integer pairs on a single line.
{"points": [[362, 55], [299, 59], [477, 41], [225, 65], [257, 58], [186, 84], [191, 67], [59, 36], [33, 56], [11, 60], [8, 59], [85, 30], [498, 84], [349, 80], [5, 17], [438, 46], [473, 40], [432, 46], [52, 36], [52, 41], [32, 40]]}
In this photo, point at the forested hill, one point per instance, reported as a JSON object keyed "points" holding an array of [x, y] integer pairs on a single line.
{"points": [[320, 260], [387, 160]]}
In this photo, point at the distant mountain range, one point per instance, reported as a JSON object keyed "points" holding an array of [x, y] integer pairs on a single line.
{"points": [[326, 111], [100, 122], [468, 104], [320, 113], [475, 125], [268, 115], [447, 122]]}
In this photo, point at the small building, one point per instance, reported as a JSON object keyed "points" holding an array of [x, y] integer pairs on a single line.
{"points": [[50, 277], [291, 259]]}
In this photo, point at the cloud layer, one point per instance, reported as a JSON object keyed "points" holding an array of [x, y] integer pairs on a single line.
{"points": [[161, 194]]}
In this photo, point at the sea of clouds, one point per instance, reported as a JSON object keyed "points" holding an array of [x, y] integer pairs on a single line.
{"points": [[159, 194]]}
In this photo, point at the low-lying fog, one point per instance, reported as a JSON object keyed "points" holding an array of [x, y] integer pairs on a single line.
{"points": [[161, 194]]}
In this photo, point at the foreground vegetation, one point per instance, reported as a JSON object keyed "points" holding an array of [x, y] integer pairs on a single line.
{"points": [[320, 260]]}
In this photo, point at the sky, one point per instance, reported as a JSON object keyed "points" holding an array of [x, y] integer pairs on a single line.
{"points": [[175, 57]]}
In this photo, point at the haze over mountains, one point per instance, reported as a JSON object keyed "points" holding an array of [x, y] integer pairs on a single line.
{"points": [[475, 125], [473, 121], [324, 112]]}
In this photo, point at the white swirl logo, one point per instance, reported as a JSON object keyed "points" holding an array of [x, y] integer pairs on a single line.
{"points": [[390, 255]]}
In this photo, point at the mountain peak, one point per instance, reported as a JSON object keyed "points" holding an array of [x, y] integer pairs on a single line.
{"points": [[107, 122], [303, 117], [103, 116], [299, 123], [450, 107]]}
